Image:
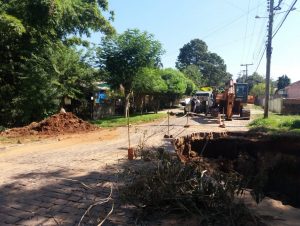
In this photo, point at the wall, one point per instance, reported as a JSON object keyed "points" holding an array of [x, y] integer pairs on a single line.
{"points": [[285, 106], [291, 106], [293, 90], [275, 105]]}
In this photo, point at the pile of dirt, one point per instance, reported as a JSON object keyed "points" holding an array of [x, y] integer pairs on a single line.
{"points": [[56, 124]]}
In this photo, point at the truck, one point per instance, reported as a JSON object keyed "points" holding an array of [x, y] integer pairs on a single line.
{"points": [[200, 102]]}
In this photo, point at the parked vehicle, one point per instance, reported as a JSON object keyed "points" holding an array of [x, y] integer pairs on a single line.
{"points": [[201, 102]]}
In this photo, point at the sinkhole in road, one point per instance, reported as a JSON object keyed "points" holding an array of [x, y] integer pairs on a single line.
{"points": [[270, 163]]}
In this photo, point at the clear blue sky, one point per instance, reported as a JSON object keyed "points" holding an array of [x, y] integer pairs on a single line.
{"points": [[228, 27]]}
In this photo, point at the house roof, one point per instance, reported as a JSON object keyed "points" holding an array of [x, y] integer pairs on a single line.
{"points": [[293, 84]]}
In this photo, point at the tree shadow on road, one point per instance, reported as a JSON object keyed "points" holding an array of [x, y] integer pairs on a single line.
{"points": [[59, 198]]}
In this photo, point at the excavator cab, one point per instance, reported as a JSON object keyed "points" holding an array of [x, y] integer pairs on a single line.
{"points": [[240, 100], [241, 92]]}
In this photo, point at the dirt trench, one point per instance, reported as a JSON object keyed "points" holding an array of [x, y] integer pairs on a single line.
{"points": [[270, 165]]}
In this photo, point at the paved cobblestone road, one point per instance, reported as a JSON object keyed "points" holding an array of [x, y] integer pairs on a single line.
{"points": [[54, 181]]}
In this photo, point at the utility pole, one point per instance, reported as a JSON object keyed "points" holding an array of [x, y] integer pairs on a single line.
{"points": [[246, 65], [269, 53]]}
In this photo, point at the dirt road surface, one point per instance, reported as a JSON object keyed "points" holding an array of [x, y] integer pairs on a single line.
{"points": [[53, 181]]}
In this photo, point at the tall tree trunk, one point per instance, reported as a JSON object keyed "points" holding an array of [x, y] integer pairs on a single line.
{"points": [[127, 97], [156, 104]]}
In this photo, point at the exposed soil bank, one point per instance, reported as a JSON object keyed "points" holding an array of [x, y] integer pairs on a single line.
{"points": [[269, 164]]}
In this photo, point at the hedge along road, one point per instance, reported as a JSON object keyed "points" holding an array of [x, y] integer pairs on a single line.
{"points": [[35, 185]]}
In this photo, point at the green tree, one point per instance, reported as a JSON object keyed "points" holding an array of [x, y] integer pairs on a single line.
{"points": [[193, 73], [211, 65], [11, 32], [192, 53], [283, 81], [176, 83], [56, 19], [252, 80], [190, 87], [214, 70], [124, 56], [28, 29], [258, 90], [60, 73], [149, 82]]}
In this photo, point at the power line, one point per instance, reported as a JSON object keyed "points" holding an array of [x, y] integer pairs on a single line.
{"points": [[219, 28], [248, 55], [262, 55], [284, 18], [277, 29], [234, 5], [246, 30], [261, 50], [260, 39], [279, 26], [223, 27], [231, 42]]}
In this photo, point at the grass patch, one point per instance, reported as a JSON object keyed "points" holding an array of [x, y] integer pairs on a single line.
{"points": [[116, 121], [277, 124]]}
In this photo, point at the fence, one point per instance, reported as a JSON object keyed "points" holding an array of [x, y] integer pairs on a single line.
{"points": [[281, 105], [291, 106], [276, 105], [101, 110]]}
